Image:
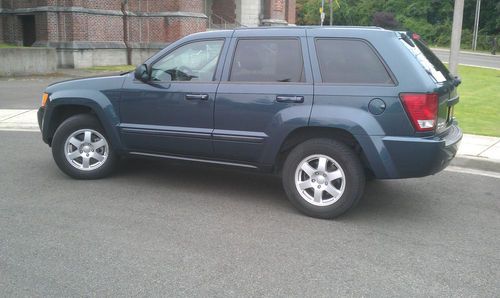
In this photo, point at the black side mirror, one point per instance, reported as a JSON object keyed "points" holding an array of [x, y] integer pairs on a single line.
{"points": [[457, 81], [142, 73]]}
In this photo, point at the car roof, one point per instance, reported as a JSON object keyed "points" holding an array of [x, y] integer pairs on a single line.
{"points": [[312, 28], [293, 30], [312, 31]]}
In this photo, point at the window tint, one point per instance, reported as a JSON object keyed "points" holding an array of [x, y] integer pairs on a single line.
{"points": [[345, 61], [267, 60], [195, 61]]}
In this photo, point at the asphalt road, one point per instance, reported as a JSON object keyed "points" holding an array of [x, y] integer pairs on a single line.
{"points": [[24, 93], [468, 58], [163, 229]]}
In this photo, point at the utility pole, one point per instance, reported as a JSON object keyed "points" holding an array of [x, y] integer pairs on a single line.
{"points": [[322, 12], [476, 25], [331, 12], [456, 34]]}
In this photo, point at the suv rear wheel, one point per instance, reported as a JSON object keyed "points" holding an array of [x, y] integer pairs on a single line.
{"points": [[323, 178], [81, 149]]}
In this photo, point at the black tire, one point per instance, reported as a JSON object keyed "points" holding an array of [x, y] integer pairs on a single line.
{"points": [[348, 161], [64, 131]]}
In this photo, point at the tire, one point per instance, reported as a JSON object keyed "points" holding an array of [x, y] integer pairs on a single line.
{"points": [[323, 178], [79, 139]]}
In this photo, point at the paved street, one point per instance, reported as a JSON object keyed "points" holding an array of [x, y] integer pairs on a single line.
{"points": [[24, 93], [155, 228], [468, 58]]}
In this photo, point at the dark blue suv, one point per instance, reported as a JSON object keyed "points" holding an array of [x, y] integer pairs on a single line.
{"points": [[322, 107]]}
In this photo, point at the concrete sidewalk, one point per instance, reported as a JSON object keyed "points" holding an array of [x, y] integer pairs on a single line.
{"points": [[473, 146], [14, 119]]}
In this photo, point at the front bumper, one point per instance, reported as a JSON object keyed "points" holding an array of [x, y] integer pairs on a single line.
{"points": [[40, 113], [407, 157]]}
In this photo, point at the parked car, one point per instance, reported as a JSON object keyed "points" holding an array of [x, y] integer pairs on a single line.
{"points": [[321, 106]]}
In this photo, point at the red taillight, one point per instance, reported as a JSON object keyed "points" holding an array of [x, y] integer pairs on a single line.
{"points": [[421, 109]]}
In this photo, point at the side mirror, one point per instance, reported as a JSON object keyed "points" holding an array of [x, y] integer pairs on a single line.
{"points": [[457, 81], [142, 73]]}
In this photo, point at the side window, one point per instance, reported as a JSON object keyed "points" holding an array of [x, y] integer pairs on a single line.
{"points": [[347, 61], [195, 61], [267, 60]]}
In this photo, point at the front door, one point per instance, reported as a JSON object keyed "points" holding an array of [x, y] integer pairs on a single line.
{"points": [[173, 112]]}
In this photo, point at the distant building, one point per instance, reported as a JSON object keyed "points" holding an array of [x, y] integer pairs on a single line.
{"points": [[112, 32]]}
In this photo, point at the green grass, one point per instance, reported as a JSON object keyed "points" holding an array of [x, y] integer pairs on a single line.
{"points": [[478, 111], [112, 68], [8, 46]]}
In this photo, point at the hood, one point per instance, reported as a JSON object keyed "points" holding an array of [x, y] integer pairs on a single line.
{"points": [[98, 83]]}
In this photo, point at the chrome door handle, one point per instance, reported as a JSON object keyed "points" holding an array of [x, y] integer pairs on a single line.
{"points": [[197, 96], [294, 99]]}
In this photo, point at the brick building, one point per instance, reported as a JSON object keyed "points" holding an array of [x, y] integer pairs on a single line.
{"points": [[111, 32]]}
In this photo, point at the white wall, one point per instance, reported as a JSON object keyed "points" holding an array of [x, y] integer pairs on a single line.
{"points": [[247, 12]]}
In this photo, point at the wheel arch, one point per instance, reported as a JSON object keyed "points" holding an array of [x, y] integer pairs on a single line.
{"points": [[302, 134], [64, 109]]}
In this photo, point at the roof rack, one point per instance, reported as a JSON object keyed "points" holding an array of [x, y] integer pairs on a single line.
{"points": [[310, 27]]}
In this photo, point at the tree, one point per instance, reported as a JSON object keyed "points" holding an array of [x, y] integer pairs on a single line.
{"points": [[385, 20], [432, 19]]}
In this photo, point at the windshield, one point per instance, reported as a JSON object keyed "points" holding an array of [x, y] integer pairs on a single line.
{"points": [[427, 59]]}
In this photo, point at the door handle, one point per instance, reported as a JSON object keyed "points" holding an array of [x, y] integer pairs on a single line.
{"points": [[293, 99], [197, 96]]}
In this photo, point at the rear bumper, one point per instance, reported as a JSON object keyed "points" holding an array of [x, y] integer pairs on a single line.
{"points": [[407, 157]]}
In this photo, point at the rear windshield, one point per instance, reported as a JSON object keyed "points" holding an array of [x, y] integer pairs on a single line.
{"points": [[430, 62]]}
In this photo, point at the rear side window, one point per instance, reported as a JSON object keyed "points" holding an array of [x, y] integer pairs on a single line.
{"points": [[267, 60], [430, 62], [349, 61]]}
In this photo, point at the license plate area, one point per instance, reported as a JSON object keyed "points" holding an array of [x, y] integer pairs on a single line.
{"points": [[449, 117]]}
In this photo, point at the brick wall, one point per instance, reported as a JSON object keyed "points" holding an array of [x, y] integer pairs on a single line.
{"points": [[225, 9], [42, 32], [104, 23], [12, 30], [291, 11]]}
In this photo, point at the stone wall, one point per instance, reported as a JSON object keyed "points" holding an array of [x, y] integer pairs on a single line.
{"points": [[27, 61]]}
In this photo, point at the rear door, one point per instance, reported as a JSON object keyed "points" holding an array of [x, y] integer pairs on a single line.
{"points": [[266, 92]]}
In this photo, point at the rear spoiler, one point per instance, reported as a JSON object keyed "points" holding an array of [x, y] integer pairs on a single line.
{"points": [[409, 37]]}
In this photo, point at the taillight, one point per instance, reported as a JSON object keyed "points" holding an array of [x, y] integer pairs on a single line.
{"points": [[422, 109]]}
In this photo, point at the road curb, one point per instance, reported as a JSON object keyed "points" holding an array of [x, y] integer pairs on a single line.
{"points": [[477, 163]]}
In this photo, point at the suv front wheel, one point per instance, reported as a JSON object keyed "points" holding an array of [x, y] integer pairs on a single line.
{"points": [[323, 178], [81, 149]]}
